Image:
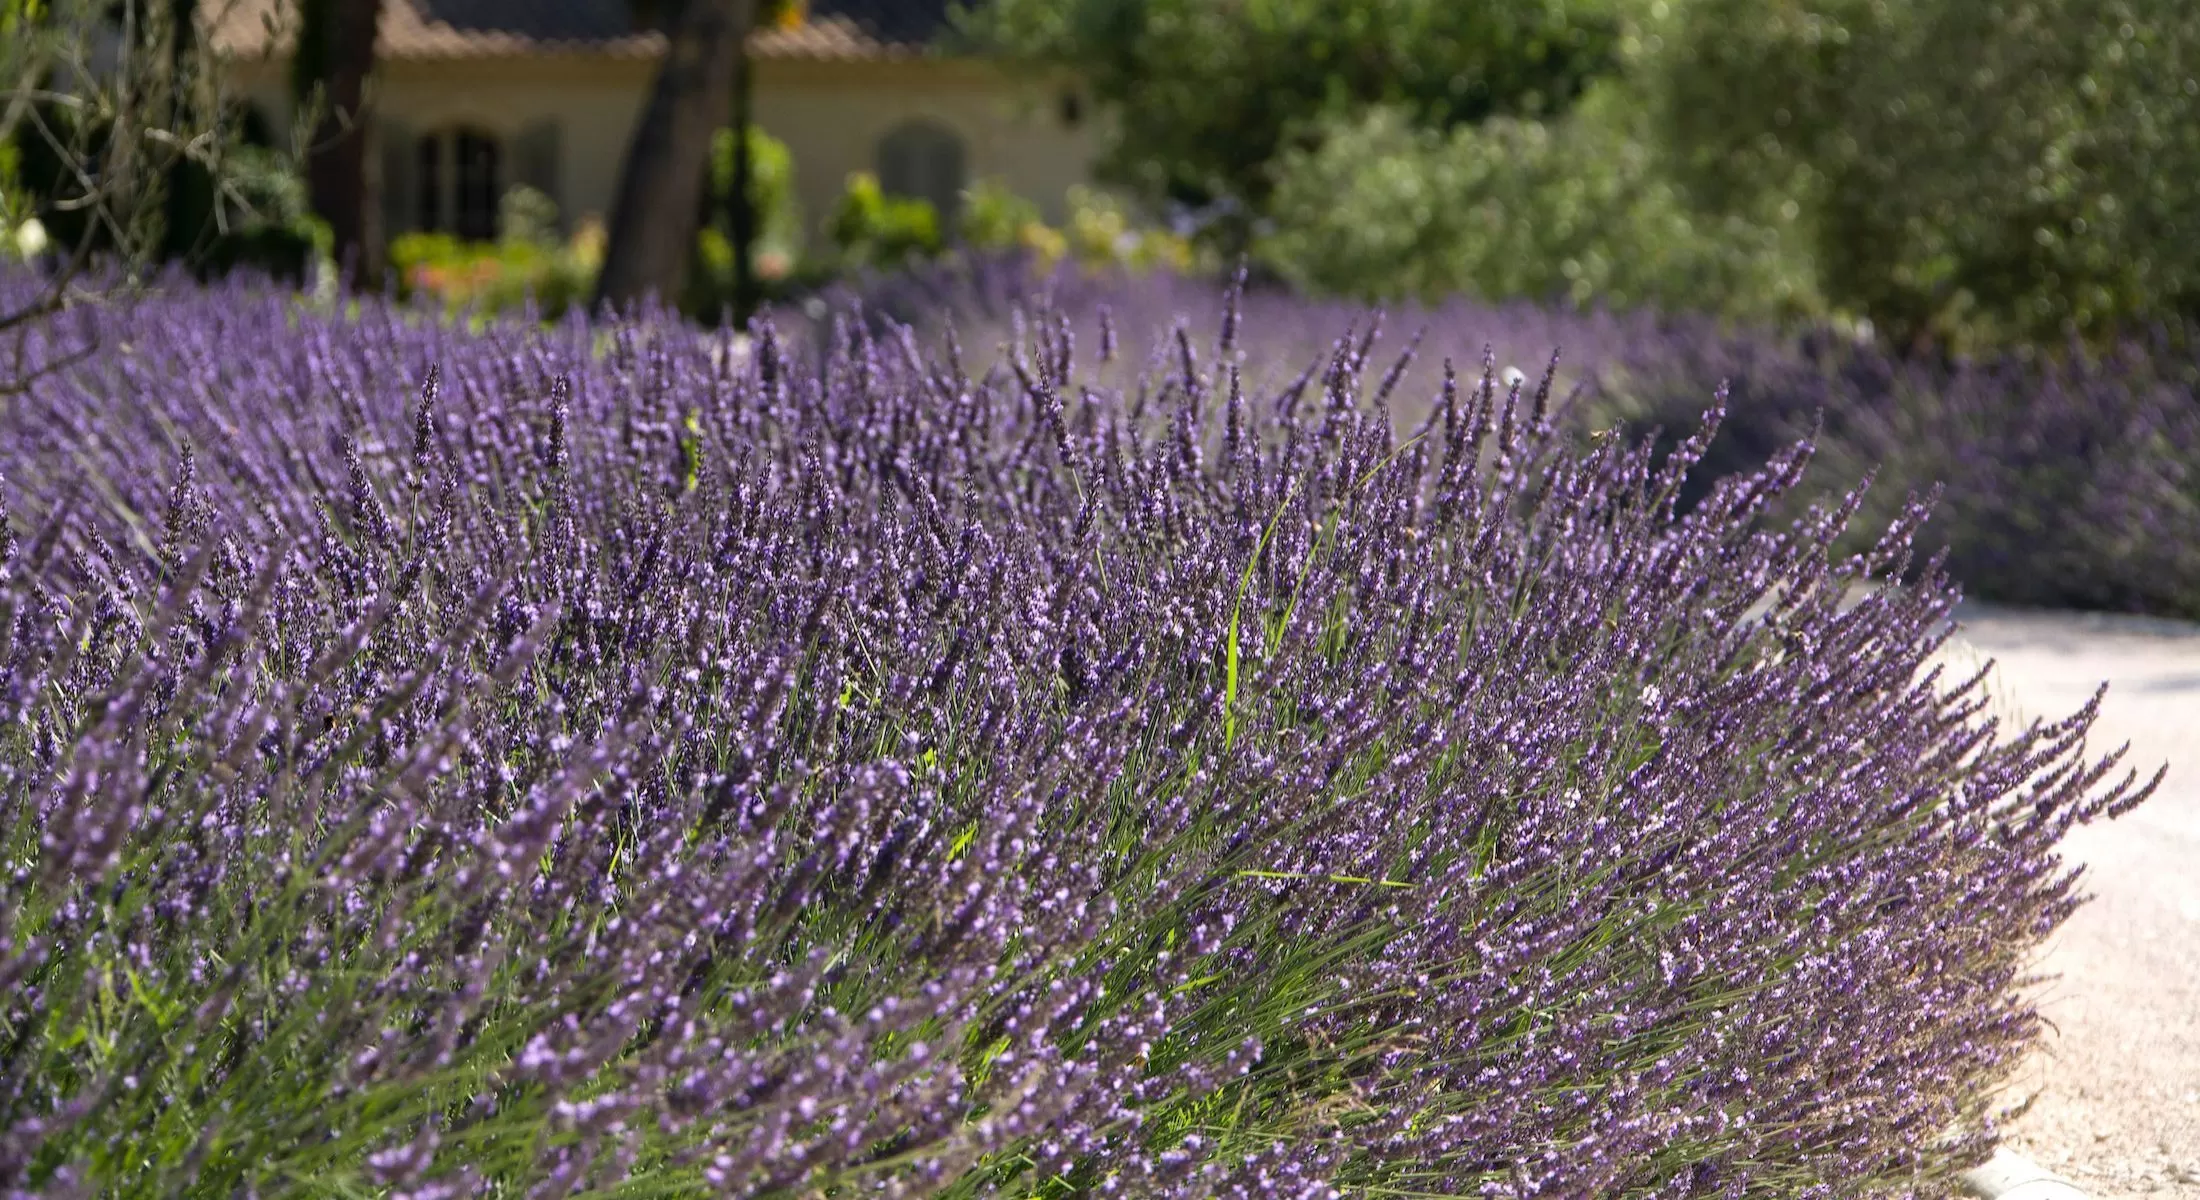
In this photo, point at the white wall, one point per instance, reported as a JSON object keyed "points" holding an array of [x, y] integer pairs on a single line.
{"points": [[832, 115]]}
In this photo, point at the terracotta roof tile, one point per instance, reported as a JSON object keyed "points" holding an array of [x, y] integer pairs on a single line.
{"points": [[427, 30]]}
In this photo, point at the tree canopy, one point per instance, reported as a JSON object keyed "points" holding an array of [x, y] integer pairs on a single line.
{"points": [[1964, 169], [1206, 95]]}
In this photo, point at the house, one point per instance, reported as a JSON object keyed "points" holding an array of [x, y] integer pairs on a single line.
{"points": [[470, 97]]}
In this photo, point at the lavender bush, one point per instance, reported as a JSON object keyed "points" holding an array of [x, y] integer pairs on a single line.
{"points": [[588, 758], [2069, 479]]}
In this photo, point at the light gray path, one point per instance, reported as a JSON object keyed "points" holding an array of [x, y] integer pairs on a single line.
{"points": [[2118, 1106]]}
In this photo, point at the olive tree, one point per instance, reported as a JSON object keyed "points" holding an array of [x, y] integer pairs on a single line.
{"points": [[1969, 171], [1205, 98], [111, 101]]}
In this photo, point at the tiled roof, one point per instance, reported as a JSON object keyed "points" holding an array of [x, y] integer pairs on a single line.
{"points": [[852, 30]]}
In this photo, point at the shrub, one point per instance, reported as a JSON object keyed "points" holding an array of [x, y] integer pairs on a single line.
{"points": [[1204, 99], [1575, 210], [528, 215], [771, 192], [873, 229], [496, 277], [709, 290], [1002, 239], [994, 218], [2066, 478], [1969, 175], [657, 768], [1104, 232], [2070, 480]]}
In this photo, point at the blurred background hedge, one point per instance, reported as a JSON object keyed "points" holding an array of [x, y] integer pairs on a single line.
{"points": [[1946, 176], [1951, 175]]}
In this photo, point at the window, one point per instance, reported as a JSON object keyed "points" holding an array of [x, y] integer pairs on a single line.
{"points": [[458, 178], [477, 186], [923, 159], [429, 174]]}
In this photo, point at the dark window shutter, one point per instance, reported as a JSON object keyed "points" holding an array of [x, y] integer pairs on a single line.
{"points": [[923, 159], [947, 177], [435, 151], [400, 185], [897, 165], [480, 185]]}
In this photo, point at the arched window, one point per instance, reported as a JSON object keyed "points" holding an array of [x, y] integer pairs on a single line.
{"points": [[459, 176], [923, 159]]}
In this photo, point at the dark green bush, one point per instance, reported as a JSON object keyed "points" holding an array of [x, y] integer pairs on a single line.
{"points": [[1967, 173], [771, 192], [1205, 97], [775, 255], [993, 218], [1575, 209], [873, 229]]}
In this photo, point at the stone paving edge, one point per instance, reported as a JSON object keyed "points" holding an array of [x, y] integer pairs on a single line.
{"points": [[2011, 1176]]}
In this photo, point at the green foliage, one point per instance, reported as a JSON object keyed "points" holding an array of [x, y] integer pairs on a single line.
{"points": [[244, 207], [1206, 97], [771, 191], [526, 214], [708, 292], [995, 218], [1104, 232], [1575, 208], [872, 229], [709, 288], [494, 277], [13, 202], [1968, 172]]}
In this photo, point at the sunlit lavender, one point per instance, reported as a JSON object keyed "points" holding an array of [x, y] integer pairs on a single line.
{"points": [[2069, 476], [1077, 756]]}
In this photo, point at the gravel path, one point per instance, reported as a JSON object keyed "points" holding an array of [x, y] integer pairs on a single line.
{"points": [[2118, 1107]]}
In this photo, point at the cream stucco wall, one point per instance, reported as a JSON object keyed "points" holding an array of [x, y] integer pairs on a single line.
{"points": [[830, 114]]}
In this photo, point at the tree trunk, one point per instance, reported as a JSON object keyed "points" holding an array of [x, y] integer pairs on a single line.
{"points": [[653, 220], [336, 166]]}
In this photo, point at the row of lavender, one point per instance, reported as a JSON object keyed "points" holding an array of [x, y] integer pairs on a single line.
{"points": [[593, 757], [2069, 480]]}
